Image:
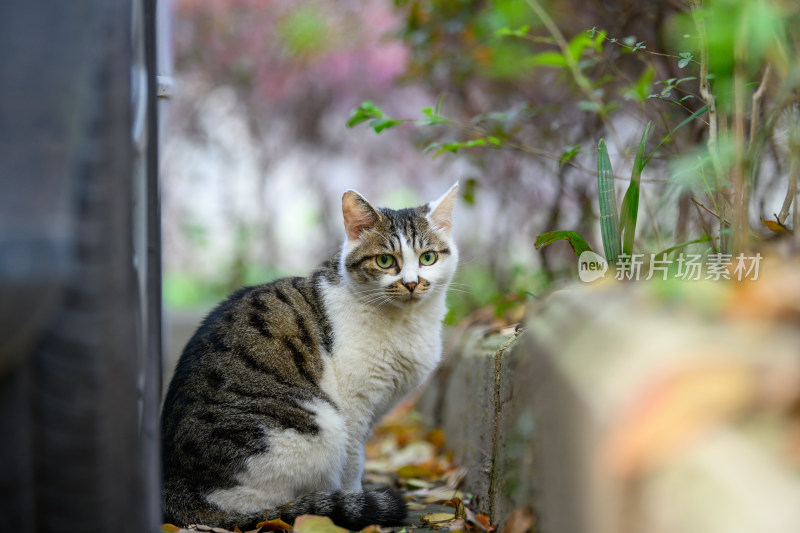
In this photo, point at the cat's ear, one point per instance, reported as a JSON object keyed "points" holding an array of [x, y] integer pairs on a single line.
{"points": [[358, 214], [441, 211]]}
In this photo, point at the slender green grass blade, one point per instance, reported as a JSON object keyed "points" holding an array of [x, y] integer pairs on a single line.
{"points": [[704, 238], [669, 135], [577, 242], [629, 211], [609, 219]]}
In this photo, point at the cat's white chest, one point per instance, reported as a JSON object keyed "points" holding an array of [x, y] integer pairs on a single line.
{"points": [[379, 356]]}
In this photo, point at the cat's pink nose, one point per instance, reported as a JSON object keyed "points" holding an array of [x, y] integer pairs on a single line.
{"points": [[411, 285]]}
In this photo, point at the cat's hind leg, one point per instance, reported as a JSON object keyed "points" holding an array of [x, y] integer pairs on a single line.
{"points": [[294, 463]]}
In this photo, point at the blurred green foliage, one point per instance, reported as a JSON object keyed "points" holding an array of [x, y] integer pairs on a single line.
{"points": [[715, 79]]}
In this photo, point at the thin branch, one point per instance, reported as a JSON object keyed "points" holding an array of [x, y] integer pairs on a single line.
{"points": [[706, 209], [705, 93], [572, 64], [756, 107], [791, 193]]}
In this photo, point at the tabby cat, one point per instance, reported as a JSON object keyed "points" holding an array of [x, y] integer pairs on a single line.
{"points": [[277, 391]]}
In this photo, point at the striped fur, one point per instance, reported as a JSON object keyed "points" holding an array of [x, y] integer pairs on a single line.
{"points": [[275, 394]]}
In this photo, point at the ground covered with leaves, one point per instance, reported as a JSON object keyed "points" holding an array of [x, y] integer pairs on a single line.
{"points": [[405, 454]]}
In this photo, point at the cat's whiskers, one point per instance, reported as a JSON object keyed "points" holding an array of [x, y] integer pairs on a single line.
{"points": [[459, 290], [375, 295]]}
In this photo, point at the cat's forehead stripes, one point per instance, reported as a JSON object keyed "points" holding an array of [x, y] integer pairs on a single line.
{"points": [[404, 234], [410, 224]]}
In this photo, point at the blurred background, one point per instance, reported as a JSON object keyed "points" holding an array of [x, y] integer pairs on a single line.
{"points": [[216, 138], [626, 407], [258, 150]]}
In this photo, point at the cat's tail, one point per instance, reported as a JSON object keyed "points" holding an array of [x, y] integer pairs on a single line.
{"points": [[353, 510]]}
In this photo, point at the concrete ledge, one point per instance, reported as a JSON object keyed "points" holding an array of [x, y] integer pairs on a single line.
{"points": [[633, 407], [465, 398]]}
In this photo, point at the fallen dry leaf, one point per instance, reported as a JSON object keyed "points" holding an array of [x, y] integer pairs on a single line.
{"points": [[437, 519], [458, 505], [484, 521], [481, 522], [373, 529], [273, 525], [459, 524], [437, 438], [316, 524], [415, 483], [169, 528], [412, 471], [774, 226], [442, 495], [520, 521]]}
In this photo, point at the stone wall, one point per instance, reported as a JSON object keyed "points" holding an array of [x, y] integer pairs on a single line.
{"points": [[619, 408]]}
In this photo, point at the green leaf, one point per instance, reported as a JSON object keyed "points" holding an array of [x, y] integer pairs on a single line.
{"points": [[454, 147], [508, 32], [547, 59], [365, 111], [432, 117], [640, 89], [599, 38], [704, 238], [609, 219], [630, 202], [669, 135], [577, 242], [578, 44], [468, 194], [569, 153], [591, 107], [368, 111], [380, 124]]}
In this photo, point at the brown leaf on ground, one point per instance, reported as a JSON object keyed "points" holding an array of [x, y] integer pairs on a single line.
{"points": [[374, 529], [483, 520], [480, 522], [457, 504], [412, 471], [459, 524], [273, 525], [520, 521], [437, 438], [316, 524], [205, 529], [437, 520], [442, 495], [169, 528]]}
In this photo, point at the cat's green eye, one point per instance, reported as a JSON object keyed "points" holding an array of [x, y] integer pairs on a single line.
{"points": [[384, 260], [428, 258]]}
